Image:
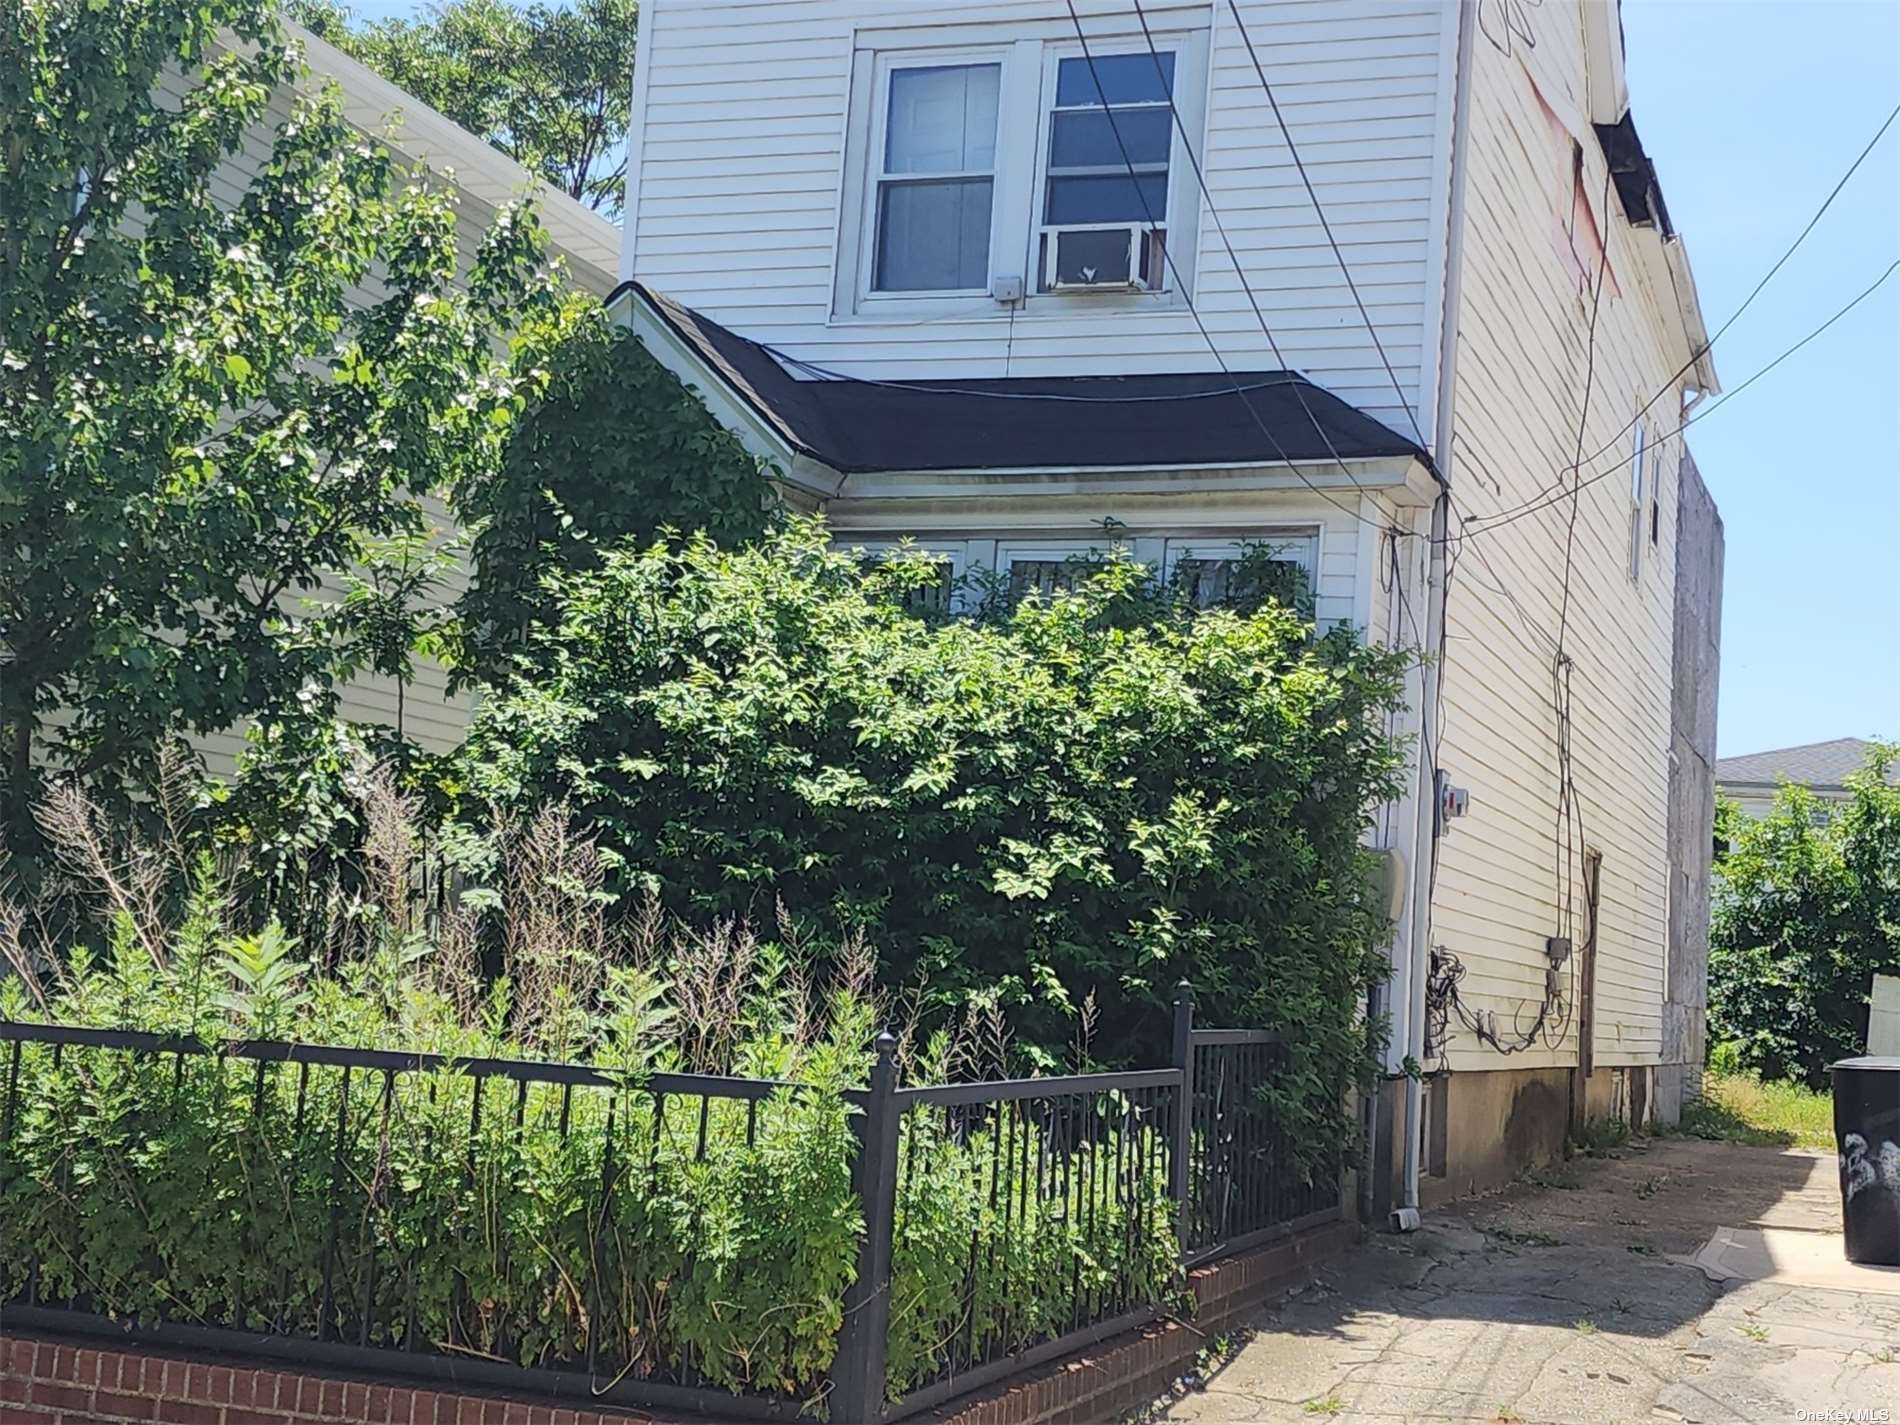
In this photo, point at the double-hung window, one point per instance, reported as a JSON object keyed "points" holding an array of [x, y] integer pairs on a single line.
{"points": [[1108, 147], [998, 177], [936, 179]]}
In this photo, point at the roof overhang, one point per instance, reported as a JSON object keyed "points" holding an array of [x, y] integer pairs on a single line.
{"points": [[1400, 475]]}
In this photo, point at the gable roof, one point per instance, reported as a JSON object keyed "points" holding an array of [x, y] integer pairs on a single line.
{"points": [[1176, 419], [1814, 764]]}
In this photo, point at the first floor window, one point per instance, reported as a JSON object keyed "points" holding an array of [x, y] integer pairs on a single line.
{"points": [[936, 179], [1245, 573]]}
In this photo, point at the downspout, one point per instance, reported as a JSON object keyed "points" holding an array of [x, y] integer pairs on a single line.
{"points": [[1405, 1218]]}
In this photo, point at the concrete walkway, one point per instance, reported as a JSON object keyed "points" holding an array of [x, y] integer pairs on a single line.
{"points": [[1558, 1302]]}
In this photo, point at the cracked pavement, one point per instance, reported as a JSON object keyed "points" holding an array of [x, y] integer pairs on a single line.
{"points": [[1556, 1301]]}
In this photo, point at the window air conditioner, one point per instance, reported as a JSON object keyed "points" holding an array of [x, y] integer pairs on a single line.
{"points": [[1118, 257]]}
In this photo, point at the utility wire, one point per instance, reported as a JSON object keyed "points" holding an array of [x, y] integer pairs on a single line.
{"points": [[938, 388], [1167, 257], [1213, 212], [1498, 521], [1704, 349], [1319, 208]]}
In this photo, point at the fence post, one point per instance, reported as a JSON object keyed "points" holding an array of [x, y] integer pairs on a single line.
{"points": [[857, 1375], [1183, 1110]]}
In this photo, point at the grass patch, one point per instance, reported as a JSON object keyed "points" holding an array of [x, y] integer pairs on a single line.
{"points": [[1324, 1405], [1740, 1108], [1602, 1137]]}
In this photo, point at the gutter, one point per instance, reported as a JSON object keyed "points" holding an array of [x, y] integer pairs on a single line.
{"points": [[1405, 1217]]}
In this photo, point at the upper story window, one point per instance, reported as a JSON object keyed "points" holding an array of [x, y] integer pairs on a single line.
{"points": [[937, 179], [1109, 147], [1004, 177]]}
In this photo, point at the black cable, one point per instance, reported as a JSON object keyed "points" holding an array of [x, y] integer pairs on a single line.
{"points": [[1167, 256], [1213, 211], [927, 387], [1707, 345], [1487, 523], [1293, 149]]}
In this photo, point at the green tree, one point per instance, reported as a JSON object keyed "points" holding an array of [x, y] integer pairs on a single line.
{"points": [[549, 85], [198, 425], [1807, 912], [1018, 811], [614, 447]]}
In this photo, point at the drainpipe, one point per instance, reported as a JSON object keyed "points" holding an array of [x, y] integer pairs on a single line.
{"points": [[1405, 1218]]}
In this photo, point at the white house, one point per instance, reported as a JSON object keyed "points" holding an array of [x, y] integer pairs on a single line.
{"points": [[484, 180], [1389, 286]]}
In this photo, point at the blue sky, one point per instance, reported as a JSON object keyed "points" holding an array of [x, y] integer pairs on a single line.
{"points": [[1752, 109]]}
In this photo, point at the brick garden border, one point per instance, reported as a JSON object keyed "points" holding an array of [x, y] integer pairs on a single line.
{"points": [[1131, 1370], [49, 1382]]}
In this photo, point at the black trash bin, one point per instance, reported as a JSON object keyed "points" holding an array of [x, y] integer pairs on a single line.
{"points": [[1867, 1136]]}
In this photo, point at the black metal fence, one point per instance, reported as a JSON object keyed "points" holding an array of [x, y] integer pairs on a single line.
{"points": [[1004, 1223]]}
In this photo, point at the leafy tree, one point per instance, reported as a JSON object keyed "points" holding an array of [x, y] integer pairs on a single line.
{"points": [[1807, 912], [1019, 811], [614, 447], [549, 85], [197, 424]]}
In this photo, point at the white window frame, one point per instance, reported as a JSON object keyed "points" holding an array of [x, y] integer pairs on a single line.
{"points": [[1181, 222], [1025, 97], [876, 176], [1653, 518], [1300, 543], [1010, 553], [1042, 254], [955, 553]]}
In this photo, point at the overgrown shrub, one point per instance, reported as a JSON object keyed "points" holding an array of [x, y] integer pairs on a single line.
{"points": [[1806, 913], [1063, 800], [617, 1228]]}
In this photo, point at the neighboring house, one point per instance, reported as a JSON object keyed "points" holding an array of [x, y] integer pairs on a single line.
{"points": [[955, 272], [484, 180], [1754, 781]]}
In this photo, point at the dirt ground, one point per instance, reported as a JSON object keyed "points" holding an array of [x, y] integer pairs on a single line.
{"points": [[1558, 1302]]}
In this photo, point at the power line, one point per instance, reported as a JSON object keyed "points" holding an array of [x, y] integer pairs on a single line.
{"points": [[938, 388], [1707, 345], [1305, 178], [1213, 211], [1488, 523], [1167, 256]]}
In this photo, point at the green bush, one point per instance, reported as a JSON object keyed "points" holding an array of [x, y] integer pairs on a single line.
{"points": [[1806, 913], [651, 1234], [1099, 792]]}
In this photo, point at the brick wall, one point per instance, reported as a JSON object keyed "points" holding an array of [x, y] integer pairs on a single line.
{"points": [[58, 1383], [51, 1383]]}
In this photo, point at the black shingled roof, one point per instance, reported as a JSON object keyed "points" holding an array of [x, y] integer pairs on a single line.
{"points": [[1074, 422]]}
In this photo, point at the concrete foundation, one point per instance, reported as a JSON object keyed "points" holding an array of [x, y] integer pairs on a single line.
{"points": [[1501, 1123]]}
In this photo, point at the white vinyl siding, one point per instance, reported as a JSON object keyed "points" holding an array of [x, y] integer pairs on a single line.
{"points": [[1523, 351], [743, 191]]}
